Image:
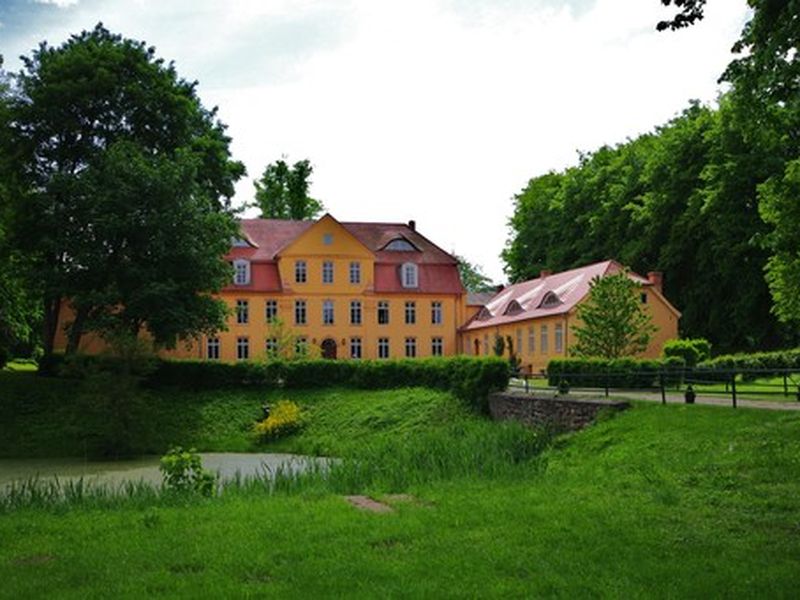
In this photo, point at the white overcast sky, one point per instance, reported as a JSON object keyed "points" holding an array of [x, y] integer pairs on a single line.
{"points": [[433, 110]]}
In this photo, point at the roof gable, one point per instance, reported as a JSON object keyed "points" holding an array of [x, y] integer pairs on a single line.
{"points": [[326, 237]]}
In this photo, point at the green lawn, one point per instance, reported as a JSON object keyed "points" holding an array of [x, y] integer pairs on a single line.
{"points": [[666, 501]]}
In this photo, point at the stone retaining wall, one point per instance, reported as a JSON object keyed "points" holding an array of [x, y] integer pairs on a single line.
{"points": [[562, 412]]}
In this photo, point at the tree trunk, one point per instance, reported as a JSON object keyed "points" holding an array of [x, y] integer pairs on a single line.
{"points": [[76, 331], [52, 311]]}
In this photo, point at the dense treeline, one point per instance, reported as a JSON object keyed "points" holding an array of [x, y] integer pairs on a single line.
{"points": [[682, 200]]}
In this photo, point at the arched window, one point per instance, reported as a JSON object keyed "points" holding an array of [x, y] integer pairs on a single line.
{"points": [[513, 308], [550, 300], [484, 314], [241, 272], [409, 275], [400, 245]]}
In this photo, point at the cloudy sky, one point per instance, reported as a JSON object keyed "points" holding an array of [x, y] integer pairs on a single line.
{"points": [[433, 110]]}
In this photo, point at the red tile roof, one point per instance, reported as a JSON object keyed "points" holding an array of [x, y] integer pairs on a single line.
{"points": [[569, 287], [438, 271]]}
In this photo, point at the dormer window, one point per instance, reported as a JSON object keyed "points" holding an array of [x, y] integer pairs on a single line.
{"points": [[550, 300], [239, 243], [400, 245], [241, 272], [484, 314], [409, 275], [513, 308]]}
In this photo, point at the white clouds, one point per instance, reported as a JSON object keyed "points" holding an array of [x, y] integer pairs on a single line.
{"points": [[437, 111], [58, 3]]}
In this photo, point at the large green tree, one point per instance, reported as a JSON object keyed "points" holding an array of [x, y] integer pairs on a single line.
{"points": [[613, 323], [127, 185], [473, 277], [282, 192]]}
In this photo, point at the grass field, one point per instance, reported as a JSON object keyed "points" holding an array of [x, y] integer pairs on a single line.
{"points": [[664, 501]]}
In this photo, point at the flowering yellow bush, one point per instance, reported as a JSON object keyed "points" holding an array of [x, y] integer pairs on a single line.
{"points": [[284, 418]]}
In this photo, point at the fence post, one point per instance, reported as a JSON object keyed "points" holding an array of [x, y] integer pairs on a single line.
{"points": [[663, 391], [526, 383], [606, 383], [733, 388], [786, 383]]}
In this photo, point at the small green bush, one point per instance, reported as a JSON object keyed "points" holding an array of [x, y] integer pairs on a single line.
{"points": [[751, 366], [183, 473], [628, 373], [692, 351]]}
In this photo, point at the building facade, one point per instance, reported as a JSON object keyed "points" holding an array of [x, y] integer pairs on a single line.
{"points": [[539, 315], [353, 290]]}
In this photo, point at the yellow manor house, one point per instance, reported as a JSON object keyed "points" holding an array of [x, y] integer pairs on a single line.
{"points": [[383, 290]]}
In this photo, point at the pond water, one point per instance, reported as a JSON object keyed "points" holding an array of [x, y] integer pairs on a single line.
{"points": [[114, 473]]}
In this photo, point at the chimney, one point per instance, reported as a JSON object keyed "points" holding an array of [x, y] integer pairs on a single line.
{"points": [[412, 225], [656, 279], [545, 273]]}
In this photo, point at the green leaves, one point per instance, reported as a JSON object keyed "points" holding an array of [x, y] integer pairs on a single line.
{"points": [[282, 192], [613, 323]]}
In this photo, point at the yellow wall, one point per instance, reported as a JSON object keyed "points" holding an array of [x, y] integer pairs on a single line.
{"points": [[665, 320]]}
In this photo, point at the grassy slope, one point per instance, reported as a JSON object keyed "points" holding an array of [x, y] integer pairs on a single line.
{"points": [[44, 417], [664, 501]]}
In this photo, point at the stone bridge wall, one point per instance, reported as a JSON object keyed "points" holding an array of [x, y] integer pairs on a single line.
{"points": [[562, 412]]}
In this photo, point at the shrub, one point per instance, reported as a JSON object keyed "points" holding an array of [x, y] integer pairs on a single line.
{"points": [[629, 373], [692, 351], [4, 357], [284, 419], [752, 366], [183, 472]]}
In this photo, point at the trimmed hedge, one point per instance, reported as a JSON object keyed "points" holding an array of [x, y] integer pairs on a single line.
{"points": [[690, 350], [470, 379], [759, 364], [631, 373]]}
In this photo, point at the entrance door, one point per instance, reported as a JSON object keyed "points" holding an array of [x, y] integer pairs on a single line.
{"points": [[328, 348]]}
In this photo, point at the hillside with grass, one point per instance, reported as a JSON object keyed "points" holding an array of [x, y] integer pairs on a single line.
{"points": [[659, 501]]}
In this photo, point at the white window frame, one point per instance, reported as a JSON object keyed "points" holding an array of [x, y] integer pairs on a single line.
{"points": [[411, 347], [383, 347], [355, 312], [300, 309], [271, 347], [410, 312], [531, 339], [327, 271], [355, 272], [241, 272], [328, 312], [300, 271], [213, 348], [437, 346], [409, 275], [559, 338], [242, 348], [436, 313], [242, 312], [355, 348], [544, 342], [383, 305], [270, 310]]}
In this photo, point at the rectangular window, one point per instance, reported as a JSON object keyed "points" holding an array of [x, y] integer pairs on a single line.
{"points": [[327, 312], [242, 312], [242, 348], [383, 313], [559, 338], [271, 310], [355, 347], [300, 271], [531, 339], [327, 271], [544, 343], [355, 312], [486, 344], [411, 313], [241, 272], [644, 298], [299, 312], [272, 347], [355, 272], [436, 313], [301, 346], [212, 349], [437, 346], [383, 347], [518, 349], [411, 347]]}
